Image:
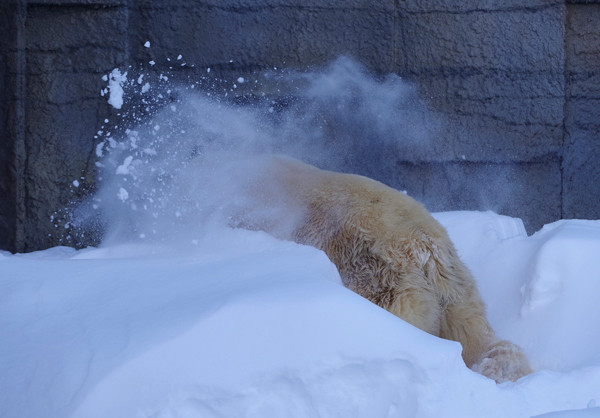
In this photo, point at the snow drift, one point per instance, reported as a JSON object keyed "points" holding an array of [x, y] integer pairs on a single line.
{"points": [[245, 325], [176, 315]]}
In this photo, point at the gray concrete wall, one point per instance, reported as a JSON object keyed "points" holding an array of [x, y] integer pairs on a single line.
{"points": [[11, 118], [69, 48], [581, 167], [517, 84], [495, 70]]}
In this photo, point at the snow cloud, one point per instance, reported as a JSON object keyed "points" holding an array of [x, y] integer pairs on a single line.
{"points": [[175, 156]]}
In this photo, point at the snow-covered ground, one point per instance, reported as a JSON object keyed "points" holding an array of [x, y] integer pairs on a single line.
{"points": [[176, 316], [240, 324]]}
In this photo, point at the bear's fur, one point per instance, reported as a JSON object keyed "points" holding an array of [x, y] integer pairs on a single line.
{"points": [[388, 249]]}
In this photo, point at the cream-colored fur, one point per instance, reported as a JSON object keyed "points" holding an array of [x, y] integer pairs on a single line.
{"points": [[388, 249]]}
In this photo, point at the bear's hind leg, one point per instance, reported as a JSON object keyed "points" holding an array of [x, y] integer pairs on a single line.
{"points": [[418, 307], [465, 321]]}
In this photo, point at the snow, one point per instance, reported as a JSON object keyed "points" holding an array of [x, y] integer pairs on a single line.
{"points": [[239, 324], [177, 316], [123, 194], [115, 79], [124, 169], [579, 413], [550, 277]]}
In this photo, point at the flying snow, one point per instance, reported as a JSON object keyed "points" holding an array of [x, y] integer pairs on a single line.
{"points": [[115, 79]]}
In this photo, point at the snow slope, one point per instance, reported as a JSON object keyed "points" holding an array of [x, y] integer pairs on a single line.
{"points": [[243, 325]]}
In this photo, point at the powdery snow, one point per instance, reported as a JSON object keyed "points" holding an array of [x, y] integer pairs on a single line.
{"points": [[239, 324], [115, 79], [124, 169], [123, 194]]}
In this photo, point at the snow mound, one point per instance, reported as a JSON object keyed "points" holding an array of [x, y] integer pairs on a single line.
{"points": [[559, 269], [574, 413], [239, 324]]}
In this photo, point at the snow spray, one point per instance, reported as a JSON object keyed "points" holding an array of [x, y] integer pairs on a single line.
{"points": [[162, 166]]}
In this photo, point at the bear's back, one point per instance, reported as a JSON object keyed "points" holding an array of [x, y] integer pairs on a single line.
{"points": [[353, 200]]}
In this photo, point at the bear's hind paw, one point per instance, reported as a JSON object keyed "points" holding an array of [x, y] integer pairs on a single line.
{"points": [[503, 362]]}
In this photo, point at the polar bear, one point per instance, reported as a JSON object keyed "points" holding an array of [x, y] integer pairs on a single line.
{"points": [[386, 247]]}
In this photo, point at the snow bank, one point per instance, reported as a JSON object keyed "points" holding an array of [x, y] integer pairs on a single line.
{"points": [[579, 413], [242, 325], [541, 290]]}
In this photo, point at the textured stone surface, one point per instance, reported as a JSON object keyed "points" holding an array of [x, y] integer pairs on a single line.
{"points": [[12, 122], [90, 4], [515, 189], [467, 6], [7, 193], [69, 49], [516, 85], [497, 72], [255, 5], [581, 170], [263, 37]]}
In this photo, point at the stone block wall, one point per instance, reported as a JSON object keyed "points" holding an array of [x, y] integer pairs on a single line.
{"points": [[515, 83], [266, 33], [69, 48], [581, 169], [12, 122], [495, 70]]}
